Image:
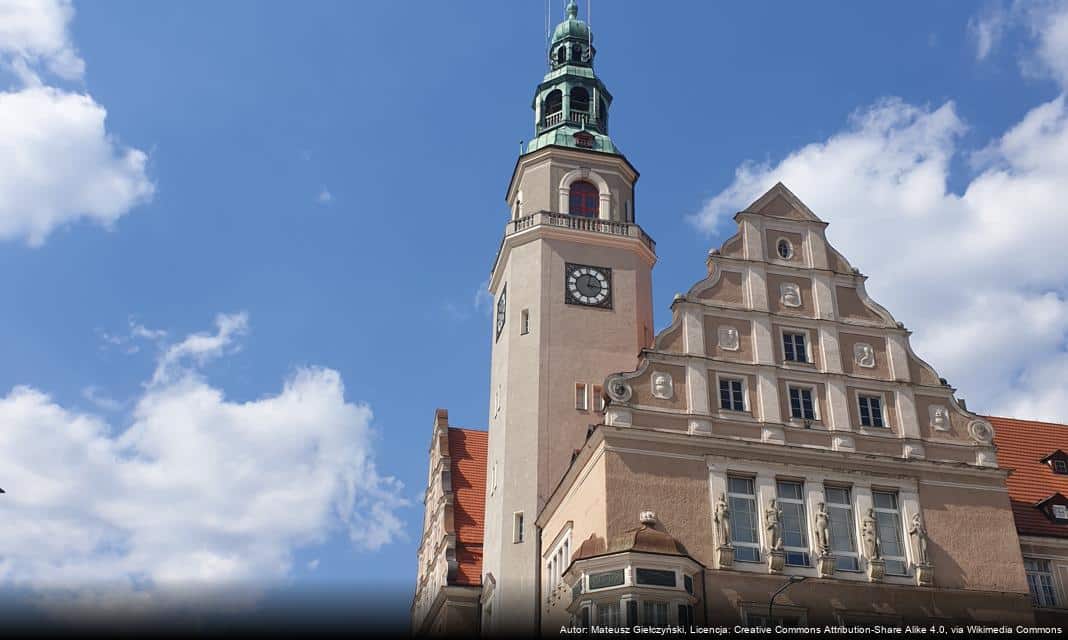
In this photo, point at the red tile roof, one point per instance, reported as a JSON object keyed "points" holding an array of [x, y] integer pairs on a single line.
{"points": [[467, 451], [1022, 444]]}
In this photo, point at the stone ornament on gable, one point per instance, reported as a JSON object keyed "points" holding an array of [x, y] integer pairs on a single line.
{"points": [[663, 386], [791, 294], [864, 355], [981, 431], [618, 389], [729, 339], [939, 417]]}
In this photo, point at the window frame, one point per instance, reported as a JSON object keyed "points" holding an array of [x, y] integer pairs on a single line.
{"points": [[582, 400], [813, 391], [735, 524], [804, 548], [583, 210], [899, 530], [599, 404], [851, 528], [1040, 582], [1060, 467], [789, 245], [518, 524], [806, 335], [880, 397], [524, 322], [743, 381]]}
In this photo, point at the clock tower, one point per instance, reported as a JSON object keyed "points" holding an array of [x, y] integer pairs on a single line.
{"points": [[572, 288]]}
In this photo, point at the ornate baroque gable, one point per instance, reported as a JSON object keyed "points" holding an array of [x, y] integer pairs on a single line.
{"points": [[781, 343]]}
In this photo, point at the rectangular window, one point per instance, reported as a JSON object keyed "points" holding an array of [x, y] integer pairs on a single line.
{"points": [[687, 581], [802, 405], [632, 612], [842, 535], [598, 399], [606, 579], [686, 615], [1040, 582], [871, 411], [1060, 466], [524, 322], [1060, 512], [794, 524], [731, 394], [793, 347], [581, 400], [889, 531], [608, 614], [654, 614], [655, 577], [517, 527], [744, 519]]}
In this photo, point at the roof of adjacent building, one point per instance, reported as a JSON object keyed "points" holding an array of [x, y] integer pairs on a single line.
{"points": [[1023, 445], [467, 453]]}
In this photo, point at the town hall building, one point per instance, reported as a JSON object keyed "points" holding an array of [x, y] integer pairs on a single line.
{"points": [[780, 431]]}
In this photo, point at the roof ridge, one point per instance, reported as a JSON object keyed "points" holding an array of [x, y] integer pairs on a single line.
{"points": [[1043, 422]]}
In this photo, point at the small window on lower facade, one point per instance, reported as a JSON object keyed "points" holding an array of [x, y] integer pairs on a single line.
{"points": [[654, 614], [802, 403], [608, 614], [731, 394], [686, 615], [1040, 582], [871, 410]]}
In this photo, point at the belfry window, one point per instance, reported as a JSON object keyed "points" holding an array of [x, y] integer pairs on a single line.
{"points": [[576, 52], [554, 104], [580, 100], [584, 200], [561, 55]]}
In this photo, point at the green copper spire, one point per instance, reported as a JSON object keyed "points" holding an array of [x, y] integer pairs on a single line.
{"points": [[571, 103]]}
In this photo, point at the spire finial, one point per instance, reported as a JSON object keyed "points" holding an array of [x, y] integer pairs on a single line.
{"points": [[572, 9]]}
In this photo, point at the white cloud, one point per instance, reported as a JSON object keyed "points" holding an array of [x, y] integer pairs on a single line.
{"points": [[987, 30], [101, 400], [195, 492], [324, 197], [34, 32], [58, 163], [980, 276]]}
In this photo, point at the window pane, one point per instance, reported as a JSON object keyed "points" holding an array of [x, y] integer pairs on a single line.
{"points": [[789, 490], [606, 579], [884, 500], [724, 395], [740, 485], [655, 577], [654, 613], [744, 516], [793, 525]]}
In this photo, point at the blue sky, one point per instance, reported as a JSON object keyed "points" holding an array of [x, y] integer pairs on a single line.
{"points": [[301, 203]]}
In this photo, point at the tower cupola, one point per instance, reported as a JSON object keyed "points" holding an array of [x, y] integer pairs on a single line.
{"points": [[571, 103]]}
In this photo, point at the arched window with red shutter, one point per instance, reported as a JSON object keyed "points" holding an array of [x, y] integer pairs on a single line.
{"points": [[584, 200]]}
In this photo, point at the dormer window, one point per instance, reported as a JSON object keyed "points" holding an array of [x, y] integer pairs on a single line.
{"points": [[1058, 462]]}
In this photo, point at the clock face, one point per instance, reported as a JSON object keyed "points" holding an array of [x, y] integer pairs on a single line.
{"points": [[589, 286], [502, 305]]}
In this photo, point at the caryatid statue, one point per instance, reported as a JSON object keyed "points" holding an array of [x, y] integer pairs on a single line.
{"points": [[920, 532], [773, 524], [870, 536], [722, 518], [823, 540]]}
